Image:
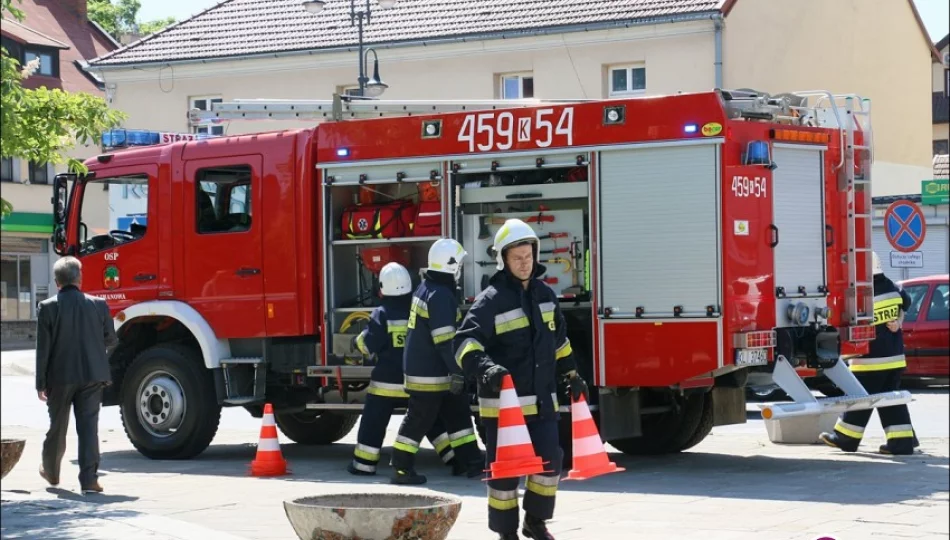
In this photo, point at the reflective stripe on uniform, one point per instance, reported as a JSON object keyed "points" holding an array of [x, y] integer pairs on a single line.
{"points": [[899, 431], [441, 442], [542, 485], [547, 311], [503, 500], [391, 390], [851, 430], [468, 346], [887, 307], [443, 334], [564, 350], [510, 321], [406, 444], [464, 436], [364, 467], [361, 343], [428, 384], [860, 364], [368, 453], [419, 307], [489, 407]]}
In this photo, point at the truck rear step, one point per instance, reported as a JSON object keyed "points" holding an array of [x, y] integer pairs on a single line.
{"points": [[243, 387], [806, 404]]}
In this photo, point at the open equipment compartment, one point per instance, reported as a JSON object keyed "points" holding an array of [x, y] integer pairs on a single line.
{"points": [[374, 213], [549, 191]]}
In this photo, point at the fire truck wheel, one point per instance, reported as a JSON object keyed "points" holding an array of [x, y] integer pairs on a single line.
{"points": [[169, 407], [705, 424], [668, 432], [317, 427]]}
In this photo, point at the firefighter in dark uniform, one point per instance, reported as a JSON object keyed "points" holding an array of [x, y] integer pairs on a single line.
{"points": [[880, 371], [433, 381], [385, 337], [516, 327]]}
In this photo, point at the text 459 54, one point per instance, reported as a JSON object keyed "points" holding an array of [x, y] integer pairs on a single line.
{"points": [[502, 130]]}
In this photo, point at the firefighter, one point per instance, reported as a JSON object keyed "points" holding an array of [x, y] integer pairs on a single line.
{"points": [[433, 381], [385, 337], [516, 327], [880, 371]]}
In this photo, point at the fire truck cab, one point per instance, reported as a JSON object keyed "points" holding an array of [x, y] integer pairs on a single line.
{"points": [[697, 242]]}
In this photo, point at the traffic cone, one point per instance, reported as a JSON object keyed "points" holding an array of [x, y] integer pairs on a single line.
{"points": [[514, 453], [269, 460], [590, 457]]}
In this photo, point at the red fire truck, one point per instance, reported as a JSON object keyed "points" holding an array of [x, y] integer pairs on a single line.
{"points": [[698, 243]]}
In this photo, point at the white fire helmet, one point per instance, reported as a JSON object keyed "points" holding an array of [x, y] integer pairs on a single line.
{"points": [[514, 231], [446, 256], [394, 280], [878, 268]]}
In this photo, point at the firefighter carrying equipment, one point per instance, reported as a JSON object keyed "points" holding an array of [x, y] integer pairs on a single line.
{"points": [[886, 351], [384, 337], [445, 257], [512, 233], [394, 280]]}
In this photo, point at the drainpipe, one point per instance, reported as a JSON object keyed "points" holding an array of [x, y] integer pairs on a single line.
{"points": [[717, 24]]}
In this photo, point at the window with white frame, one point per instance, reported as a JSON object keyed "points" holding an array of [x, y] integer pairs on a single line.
{"points": [[627, 80], [203, 103], [516, 86]]}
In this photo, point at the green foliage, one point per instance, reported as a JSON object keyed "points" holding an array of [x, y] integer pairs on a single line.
{"points": [[41, 125], [119, 17]]}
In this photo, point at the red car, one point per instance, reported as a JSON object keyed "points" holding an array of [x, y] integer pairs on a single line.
{"points": [[927, 327]]}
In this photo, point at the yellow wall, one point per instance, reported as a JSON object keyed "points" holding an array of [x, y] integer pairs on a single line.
{"points": [[874, 49], [941, 132]]}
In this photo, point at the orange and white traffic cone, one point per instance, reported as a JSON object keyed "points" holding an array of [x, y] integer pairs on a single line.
{"points": [[590, 457], [269, 460], [514, 453]]}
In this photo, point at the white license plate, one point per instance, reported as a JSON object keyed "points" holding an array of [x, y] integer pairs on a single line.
{"points": [[752, 357]]}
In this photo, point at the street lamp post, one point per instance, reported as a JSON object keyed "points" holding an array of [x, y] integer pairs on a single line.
{"points": [[367, 87]]}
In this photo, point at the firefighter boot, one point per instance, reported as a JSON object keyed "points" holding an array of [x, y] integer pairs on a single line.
{"points": [[535, 528], [509, 536], [407, 478], [832, 440], [886, 450]]}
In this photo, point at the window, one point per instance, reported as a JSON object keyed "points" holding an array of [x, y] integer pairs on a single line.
{"points": [[517, 86], [917, 294], [41, 174], [939, 309], [941, 147], [223, 199], [122, 220], [16, 298], [6, 170], [48, 62], [203, 103], [627, 80]]}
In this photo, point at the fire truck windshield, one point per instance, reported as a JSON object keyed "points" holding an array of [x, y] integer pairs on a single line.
{"points": [[113, 211]]}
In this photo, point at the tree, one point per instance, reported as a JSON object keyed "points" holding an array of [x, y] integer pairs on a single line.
{"points": [[41, 125], [122, 17]]}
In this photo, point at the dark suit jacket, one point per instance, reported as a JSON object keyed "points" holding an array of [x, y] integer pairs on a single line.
{"points": [[73, 330]]}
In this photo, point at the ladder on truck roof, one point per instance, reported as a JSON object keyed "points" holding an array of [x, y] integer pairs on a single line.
{"points": [[349, 107]]}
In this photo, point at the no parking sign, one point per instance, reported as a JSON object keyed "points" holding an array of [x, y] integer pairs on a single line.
{"points": [[905, 226]]}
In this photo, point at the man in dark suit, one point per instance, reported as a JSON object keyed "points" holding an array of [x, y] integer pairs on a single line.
{"points": [[73, 331]]}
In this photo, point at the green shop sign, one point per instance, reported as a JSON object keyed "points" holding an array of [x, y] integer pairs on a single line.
{"points": [[936, 191], [27, 222]]}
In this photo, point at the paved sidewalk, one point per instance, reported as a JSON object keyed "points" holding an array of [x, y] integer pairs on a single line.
{"points": [[730, 487]]}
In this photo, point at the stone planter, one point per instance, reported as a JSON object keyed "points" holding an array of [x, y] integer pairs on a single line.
{"points": [[10, 454], [373, 516]]}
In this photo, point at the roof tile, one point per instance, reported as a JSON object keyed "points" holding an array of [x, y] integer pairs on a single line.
{"points": [[243, 27]]}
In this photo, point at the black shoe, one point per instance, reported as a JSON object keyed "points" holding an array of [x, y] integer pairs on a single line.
{"points": [[351, 468], [535, 528], [509, 536], [832, 440], [407, 478], [886, 450]]}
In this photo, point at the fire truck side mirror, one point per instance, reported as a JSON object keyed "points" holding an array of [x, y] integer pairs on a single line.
{"points": [[59, 199]]}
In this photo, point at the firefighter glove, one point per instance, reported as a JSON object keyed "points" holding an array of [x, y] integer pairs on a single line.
{"points": [[492, 377], [457, 384], [578, 387]]}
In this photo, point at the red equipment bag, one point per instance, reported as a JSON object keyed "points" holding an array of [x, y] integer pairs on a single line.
{"points": [[375, 258], [428, 220], [389, 220]]}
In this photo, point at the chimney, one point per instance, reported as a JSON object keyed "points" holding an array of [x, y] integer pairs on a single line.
{"points": [[78, 7]]}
